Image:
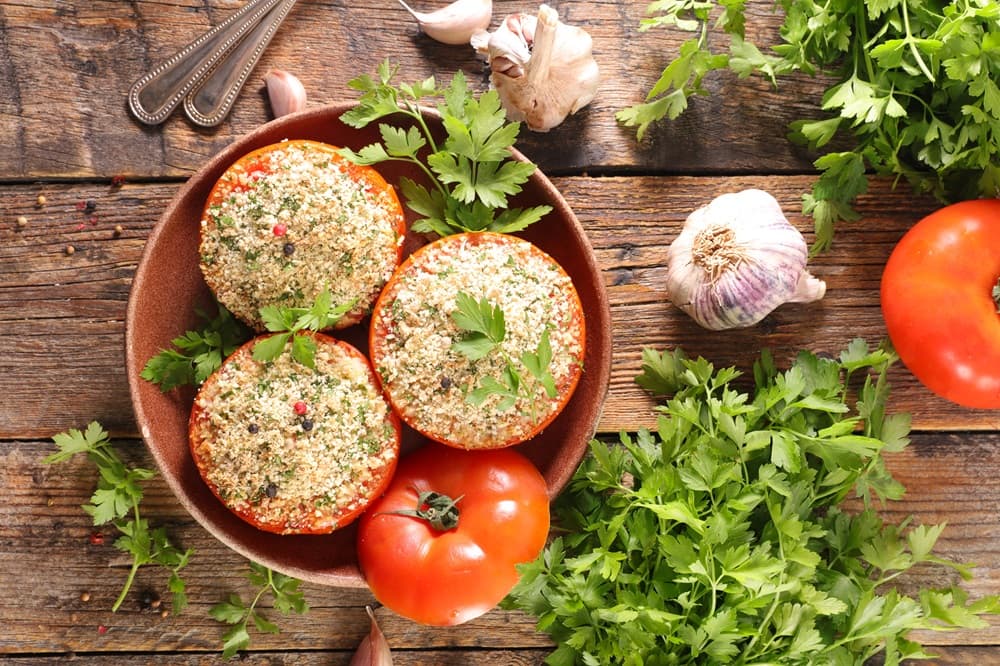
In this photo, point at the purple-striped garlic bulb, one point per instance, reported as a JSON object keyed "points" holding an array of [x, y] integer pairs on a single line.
{"points": [[736, 260]]}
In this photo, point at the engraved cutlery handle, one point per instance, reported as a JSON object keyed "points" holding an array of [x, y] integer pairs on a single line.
{"points": [[209, 102], [156, 94]]}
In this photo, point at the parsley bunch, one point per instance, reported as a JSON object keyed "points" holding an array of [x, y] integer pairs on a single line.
{"points": [[116, 502], [198, 353], [485, 328], [472, 172], [720, 538], [286, 598], [915, 87]]}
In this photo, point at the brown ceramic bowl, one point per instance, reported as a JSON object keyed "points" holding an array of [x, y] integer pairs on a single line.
{"points": [[168, 287]]}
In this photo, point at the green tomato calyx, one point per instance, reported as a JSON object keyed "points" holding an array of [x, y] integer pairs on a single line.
{"points": [[437, 509]]}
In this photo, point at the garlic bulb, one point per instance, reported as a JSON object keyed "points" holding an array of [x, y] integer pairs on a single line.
{"points": [[285, 92], [456, 23], [542, 68], [736, 260]]}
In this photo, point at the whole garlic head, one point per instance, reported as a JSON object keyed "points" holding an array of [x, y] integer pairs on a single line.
{"points": [[543, 69], [736, 260]]}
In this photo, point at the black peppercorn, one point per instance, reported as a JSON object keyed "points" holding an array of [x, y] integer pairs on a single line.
{"points": [[289, 249], [149, 600], [307, 424], [446, 383], [253, 428], [271, 490]]}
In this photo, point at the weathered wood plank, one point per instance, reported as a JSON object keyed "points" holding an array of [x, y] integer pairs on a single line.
{"points": [[454, 657], [68, 67], [950, 478], [62, 316], [943, 656]]}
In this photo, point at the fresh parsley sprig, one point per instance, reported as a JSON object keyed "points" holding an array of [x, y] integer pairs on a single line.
{"points": [[915, 88], [288, 322], [198, 353], [484, 329], [286, 598], [720, 536], [116, 502], [471, 173]]}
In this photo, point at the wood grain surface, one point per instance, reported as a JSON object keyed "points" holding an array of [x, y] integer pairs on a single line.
{"points": [[63, 313], [66, 268], [81, 57]]}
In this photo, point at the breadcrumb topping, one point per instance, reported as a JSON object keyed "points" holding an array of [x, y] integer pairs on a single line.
{"points": [[291, 446], [287, 222]]}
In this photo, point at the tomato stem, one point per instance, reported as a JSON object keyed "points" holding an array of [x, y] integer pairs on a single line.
{"points": [[438, 510]]}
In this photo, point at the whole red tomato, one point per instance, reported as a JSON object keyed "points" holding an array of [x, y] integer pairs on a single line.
{"points": [[939, 302], [480, 514]]}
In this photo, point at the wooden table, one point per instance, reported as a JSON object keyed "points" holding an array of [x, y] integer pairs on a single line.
{"points": [[66, 135]]}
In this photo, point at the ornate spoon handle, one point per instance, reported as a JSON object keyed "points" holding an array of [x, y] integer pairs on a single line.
{"points": [[209, 102], [157, 93]]}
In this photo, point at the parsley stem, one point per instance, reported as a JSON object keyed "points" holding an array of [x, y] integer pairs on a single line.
{"points": [[419, 117], [859, 44], [128, 585], [777, 594], [913, 46], [136, 563]]}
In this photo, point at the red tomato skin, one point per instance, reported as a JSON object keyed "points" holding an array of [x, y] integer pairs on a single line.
{"points": [[938, 306], [447, 578]]}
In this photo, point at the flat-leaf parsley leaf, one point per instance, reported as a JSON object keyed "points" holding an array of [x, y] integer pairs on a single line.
{"points": [[287, 323], [198, 353], [484, 329], [471, 172]]}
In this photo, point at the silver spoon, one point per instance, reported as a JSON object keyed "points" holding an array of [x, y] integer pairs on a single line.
{"points": [[209, 73]]}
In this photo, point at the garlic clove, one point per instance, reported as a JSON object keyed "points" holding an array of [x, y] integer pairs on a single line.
{"points": [[808, 289], [285, 92], [736, 260], [374, 649], [543, 69], [456, 23]]}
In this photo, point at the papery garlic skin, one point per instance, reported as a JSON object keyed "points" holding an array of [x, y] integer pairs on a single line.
{"points": [[543, 69], [456, 23], [736, 260], [285, 92]]}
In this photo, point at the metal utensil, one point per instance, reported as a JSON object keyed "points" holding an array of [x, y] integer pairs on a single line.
{"points": [[210, 101], [209, 73]]}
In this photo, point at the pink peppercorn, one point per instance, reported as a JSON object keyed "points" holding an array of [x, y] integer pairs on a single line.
{"points": [[102, 630], [280, 229], [300, 408]]}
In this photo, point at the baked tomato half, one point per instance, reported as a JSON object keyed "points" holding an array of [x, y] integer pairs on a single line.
{"points": [[293, 449], [478, 340], [441, 545], [940, 302], [289, 220]]}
